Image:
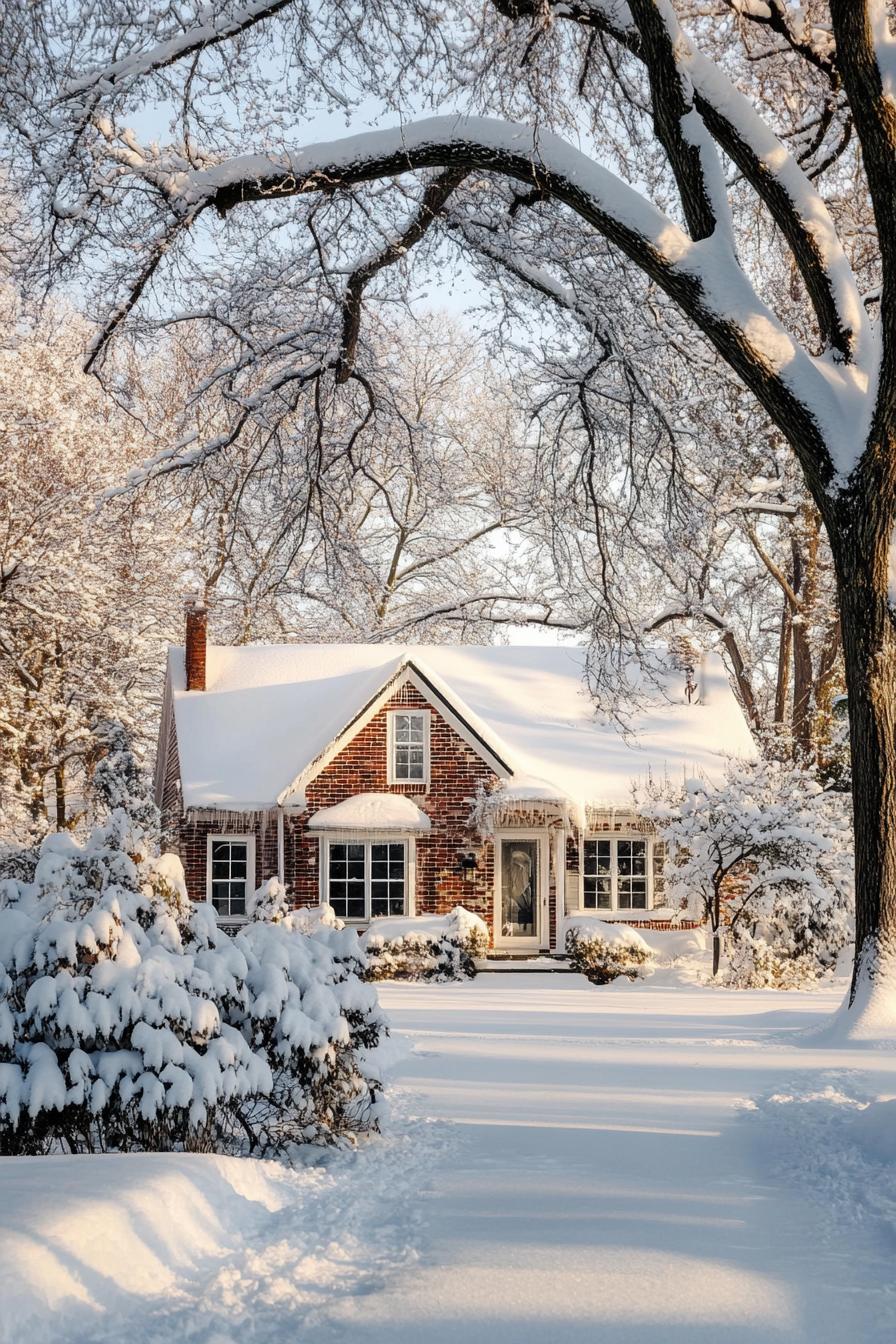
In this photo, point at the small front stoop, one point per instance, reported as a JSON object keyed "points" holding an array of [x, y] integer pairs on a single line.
{"points": [[538, 963]]}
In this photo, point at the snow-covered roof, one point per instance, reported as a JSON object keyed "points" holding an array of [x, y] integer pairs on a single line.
{"points": [[270, 712], [371, 812]]}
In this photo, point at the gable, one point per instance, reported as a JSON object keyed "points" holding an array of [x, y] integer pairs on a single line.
{"points": [[360, 761], [409, 688]]}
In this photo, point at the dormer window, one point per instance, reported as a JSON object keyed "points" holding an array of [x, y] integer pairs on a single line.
{"points": [[408, 746]]}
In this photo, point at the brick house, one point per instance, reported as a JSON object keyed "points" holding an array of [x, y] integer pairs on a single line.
{"points": [[406, 780]]}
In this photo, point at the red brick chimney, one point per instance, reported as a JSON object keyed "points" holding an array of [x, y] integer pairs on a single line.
{"points": [[194, 651]]}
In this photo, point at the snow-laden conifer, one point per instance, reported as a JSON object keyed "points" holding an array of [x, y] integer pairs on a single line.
{"points": [[128, 1019]]}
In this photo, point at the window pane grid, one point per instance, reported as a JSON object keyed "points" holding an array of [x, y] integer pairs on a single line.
{"points": [[229, 877], [615, 875], [409, 746], [598, 875], [366, 878]]}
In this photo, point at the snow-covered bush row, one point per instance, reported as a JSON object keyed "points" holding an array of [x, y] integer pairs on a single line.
{"points": [[128, 1020], [434, 947], [603, 951]]}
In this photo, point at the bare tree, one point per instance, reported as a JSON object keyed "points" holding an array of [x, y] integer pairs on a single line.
{"points": [[709, 158], [418, 530]]}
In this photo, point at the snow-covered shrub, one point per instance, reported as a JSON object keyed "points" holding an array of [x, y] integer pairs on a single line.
{"points": [[765, 857], [129, 1020], [18, 862], [119, 779], [429, 947], [269, 904], [313, 1020], [756, 963], [602, 952]]}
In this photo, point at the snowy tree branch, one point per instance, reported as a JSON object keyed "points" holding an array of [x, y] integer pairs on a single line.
{"points": [[813, 402], [765, 161], [435, 197], [212, 28]]}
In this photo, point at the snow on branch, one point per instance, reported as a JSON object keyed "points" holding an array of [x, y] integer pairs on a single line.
{"points": [[823, 401], [434, 199], [680, 128], [211, 28], [765, 161]]}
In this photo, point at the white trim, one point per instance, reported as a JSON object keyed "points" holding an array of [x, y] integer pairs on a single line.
{"points": [[410, 880], [404, 677], [411, 711], [614, 837], [463, 732], [559, 856], [541, 904], [235, 837], [368, 838]]}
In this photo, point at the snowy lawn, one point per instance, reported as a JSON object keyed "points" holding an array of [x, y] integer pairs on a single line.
{"points": [[630, 1164]]}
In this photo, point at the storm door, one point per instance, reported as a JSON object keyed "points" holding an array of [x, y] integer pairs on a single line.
{"points": [[519, 891]]}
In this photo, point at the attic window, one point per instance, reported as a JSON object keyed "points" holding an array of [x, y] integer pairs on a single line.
{"points": [[408, 746]]}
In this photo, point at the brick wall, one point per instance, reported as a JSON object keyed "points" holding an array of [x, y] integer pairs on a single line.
{"points": [[456, 772]]}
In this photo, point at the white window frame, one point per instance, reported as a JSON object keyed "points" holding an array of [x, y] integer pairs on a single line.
{"points": [[238, 839], [614, 837], [371, 838], [426, 716]]}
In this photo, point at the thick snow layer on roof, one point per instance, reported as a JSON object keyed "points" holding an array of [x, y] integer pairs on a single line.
{"points": [[526, 789], [371, 812], [269, 712]]}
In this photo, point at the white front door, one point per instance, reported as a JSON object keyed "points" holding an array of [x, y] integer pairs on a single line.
{"points": [[520, 888]]}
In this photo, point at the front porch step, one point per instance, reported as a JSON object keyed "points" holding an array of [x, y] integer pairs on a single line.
{"points": [[519, 963]]}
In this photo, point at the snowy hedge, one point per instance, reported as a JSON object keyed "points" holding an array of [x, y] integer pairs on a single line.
{"points": [[603, 951], [128, 1020], [428, 947]]}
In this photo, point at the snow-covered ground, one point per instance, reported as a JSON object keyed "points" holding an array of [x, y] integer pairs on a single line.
{"points": [[635, 1164]]}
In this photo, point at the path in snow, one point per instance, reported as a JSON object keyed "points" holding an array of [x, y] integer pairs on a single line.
{"points": [[608, 1186], [580, 1168]]}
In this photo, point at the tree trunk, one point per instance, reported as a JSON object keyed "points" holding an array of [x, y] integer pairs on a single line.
{"points": [[716, 929], [860, 533], [59, 790], [802, 690], [782, 684]]}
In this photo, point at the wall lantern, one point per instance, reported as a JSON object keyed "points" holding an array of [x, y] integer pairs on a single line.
{"points": [[467, 865]]}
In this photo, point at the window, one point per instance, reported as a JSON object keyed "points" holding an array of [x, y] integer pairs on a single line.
{"points": [[616, 875], [631, 874], [231, 867], [366, 878], [598, 875], [409, 746]]}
